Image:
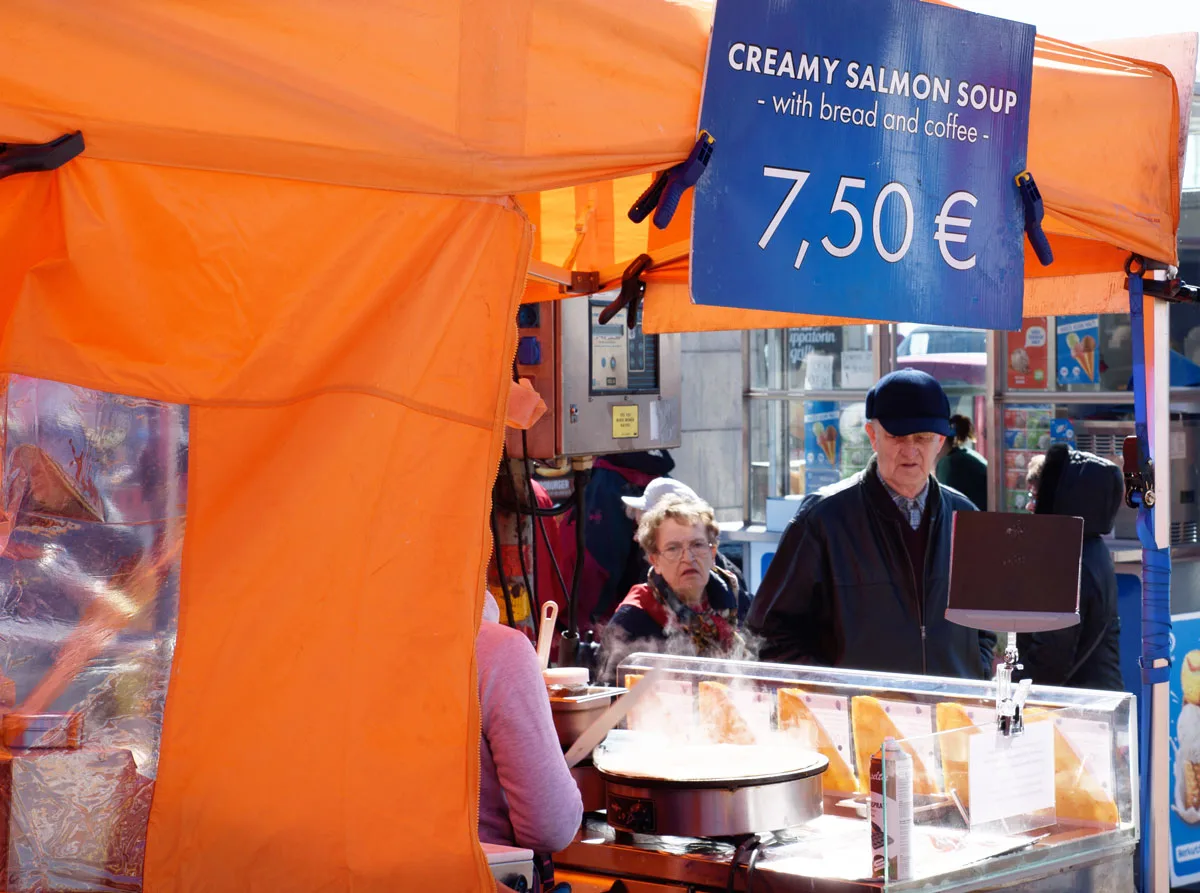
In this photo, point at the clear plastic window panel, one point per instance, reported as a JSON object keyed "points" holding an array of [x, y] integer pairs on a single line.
{"points": [[985, 807], [94, 490]]}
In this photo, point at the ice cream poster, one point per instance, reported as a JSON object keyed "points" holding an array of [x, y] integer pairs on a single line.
{"points": [[1027, 355], [1062, 431], [1078, 349], [1185, 749], [822, 444]]}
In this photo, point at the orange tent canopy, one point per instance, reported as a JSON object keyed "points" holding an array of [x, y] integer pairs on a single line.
{"points": [[295, 219], [1107, 193]]}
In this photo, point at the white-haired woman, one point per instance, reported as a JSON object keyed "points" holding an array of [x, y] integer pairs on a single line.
{"points": [[687, 603]]}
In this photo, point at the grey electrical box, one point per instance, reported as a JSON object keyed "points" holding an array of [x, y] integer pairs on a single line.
{"points": [[608, 388], [620, 386]]}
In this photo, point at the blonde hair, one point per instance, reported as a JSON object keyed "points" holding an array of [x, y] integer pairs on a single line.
{"points": [[680, 509], [1033, 476]]}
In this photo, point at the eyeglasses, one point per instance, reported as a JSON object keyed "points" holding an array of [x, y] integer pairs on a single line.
{"points": [[694, 549], [924, 439]]}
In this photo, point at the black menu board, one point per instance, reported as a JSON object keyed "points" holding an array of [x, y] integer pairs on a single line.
{"points": [[1015, 572]]}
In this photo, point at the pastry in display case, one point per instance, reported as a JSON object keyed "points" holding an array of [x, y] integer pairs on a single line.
{"points": [[720, 717], [989, 808], [796, 712], [873, 724]]}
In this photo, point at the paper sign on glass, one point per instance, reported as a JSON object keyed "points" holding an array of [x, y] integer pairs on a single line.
{"points": [[1011, 776], [915, 724], [833, 713]]}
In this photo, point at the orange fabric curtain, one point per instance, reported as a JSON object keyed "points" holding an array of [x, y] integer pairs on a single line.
{"points": [[340, 471]]}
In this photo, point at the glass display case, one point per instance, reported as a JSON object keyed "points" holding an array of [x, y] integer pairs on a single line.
{"points": [[1059, 800]]}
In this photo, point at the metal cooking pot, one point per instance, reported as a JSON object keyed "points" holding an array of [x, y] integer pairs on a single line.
{"points": [[728, 807], [573, 714]]}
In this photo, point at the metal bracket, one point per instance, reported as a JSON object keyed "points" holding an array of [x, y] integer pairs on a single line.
{"points": [[1010, 700], [1168, 288], [584, 282], [569, 282], [1139, 475]]}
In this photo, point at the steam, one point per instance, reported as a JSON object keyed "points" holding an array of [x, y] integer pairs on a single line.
{"points": [[618, 645], [686, 711]]}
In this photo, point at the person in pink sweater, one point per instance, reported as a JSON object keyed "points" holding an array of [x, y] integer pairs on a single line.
{"points": [[527, 795]]}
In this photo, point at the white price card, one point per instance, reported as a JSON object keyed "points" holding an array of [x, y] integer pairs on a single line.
{"points": [[1010, 776], [818, 372], [915, 724], [833, 713], [756, 708], [858, 369]]}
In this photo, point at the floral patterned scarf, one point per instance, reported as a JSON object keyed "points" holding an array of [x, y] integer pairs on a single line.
{"points": [[713, 628]]}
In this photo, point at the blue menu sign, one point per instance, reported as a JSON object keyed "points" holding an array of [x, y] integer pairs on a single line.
{"points": [[864, 162]]}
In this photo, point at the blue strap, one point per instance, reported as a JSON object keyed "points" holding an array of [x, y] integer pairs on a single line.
{"points": [[1156, 562], [1156, 582]]}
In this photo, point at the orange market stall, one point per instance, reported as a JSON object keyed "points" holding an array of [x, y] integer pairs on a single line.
{"points": [[299, 227], [1089, 275]]}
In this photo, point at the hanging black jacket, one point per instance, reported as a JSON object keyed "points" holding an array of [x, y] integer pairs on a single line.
{"points": [[1088, 654], [966, 471], [841, 589]]}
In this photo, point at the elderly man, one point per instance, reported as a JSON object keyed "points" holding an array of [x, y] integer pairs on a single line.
{"points": [[861, 574]]}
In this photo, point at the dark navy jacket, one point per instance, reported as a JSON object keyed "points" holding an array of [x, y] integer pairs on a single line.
{"points": [[841, 590], [1086, 655]]}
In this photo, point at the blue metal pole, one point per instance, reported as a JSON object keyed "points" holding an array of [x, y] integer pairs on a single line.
{"points": [[1156, 589]]}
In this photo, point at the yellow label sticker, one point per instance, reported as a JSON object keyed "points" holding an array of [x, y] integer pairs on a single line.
{"points": [[625, 421]]}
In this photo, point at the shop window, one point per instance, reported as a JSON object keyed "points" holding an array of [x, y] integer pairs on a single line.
{"points": [[1069, 380], [1185, 342], [1191, 167], [957, 358], [1075, 354], [766, 455], [94, 496], [796, 442], [828, 358], [827, 442], [766, 360]]}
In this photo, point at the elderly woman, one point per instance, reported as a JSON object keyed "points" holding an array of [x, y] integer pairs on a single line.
{"points": [[688, 605]]}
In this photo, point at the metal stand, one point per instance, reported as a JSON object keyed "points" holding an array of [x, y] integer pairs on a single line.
{"points": [[1009, 698]]}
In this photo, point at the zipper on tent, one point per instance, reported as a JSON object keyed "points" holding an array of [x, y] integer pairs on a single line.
{"points": [[527, 252]]}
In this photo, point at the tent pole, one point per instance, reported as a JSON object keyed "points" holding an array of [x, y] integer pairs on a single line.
{"points": [[1148, 480], [1159, 399]]}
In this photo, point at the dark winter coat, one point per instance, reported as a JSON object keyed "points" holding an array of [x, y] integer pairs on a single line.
{"points": [[1086, 655], [841, 590]]}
